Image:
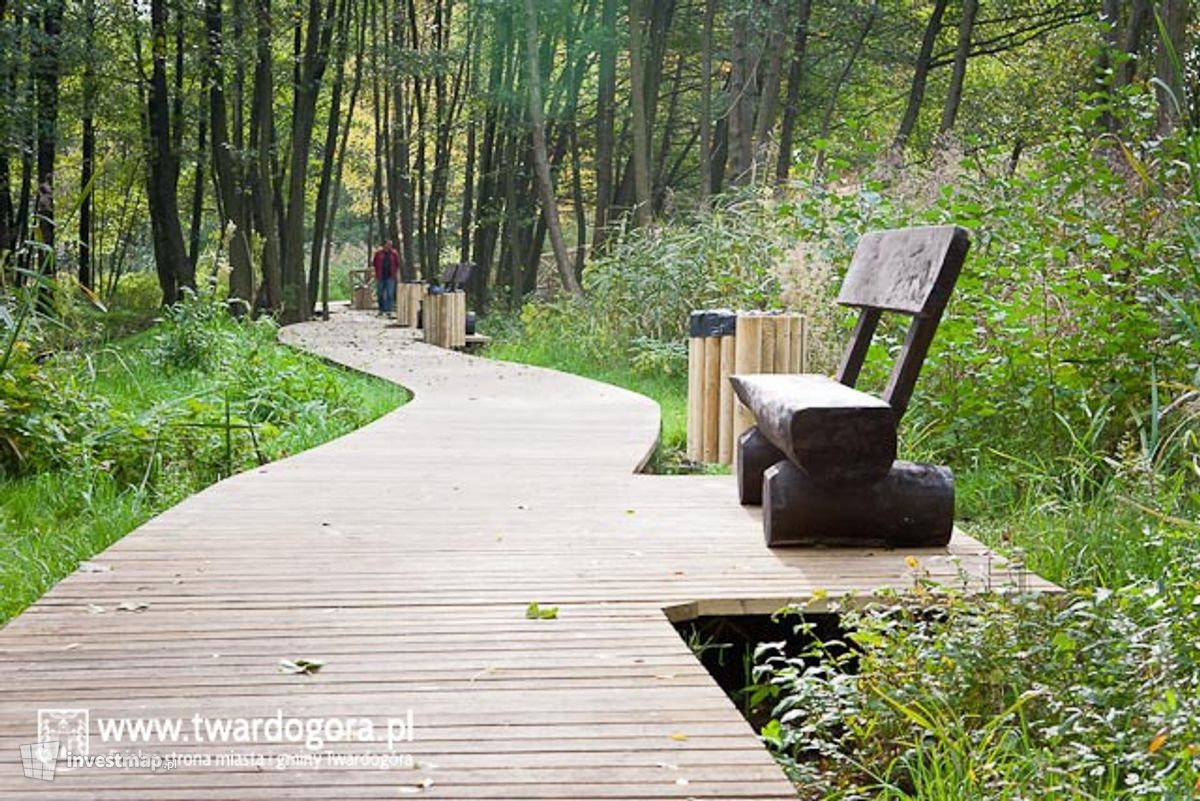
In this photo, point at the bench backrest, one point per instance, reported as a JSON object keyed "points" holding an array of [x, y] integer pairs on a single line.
{"points": [[910, 271], [455, 276]]}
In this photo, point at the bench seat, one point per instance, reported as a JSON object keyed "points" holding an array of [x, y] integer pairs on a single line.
{"points": [[838, 435]]}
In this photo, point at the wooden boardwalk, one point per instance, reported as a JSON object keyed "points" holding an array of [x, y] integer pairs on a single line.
{"points": [[404, 556]]}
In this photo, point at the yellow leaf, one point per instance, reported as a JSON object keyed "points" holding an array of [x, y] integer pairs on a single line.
{"points": [[912, 562], [679, 736], [1159, 740]]}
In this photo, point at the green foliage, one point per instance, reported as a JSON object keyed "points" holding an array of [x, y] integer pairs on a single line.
{"points": [[95, 441], [650, 280], [193, 335], [1061, 301], [1092, 695]]}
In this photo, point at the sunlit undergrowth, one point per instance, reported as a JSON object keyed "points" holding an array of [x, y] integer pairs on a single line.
{"points": [[95, 441], [1095, 695]]}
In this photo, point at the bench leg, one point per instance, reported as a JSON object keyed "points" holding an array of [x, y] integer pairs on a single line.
{"points": [[755, 454], [913, 507]]}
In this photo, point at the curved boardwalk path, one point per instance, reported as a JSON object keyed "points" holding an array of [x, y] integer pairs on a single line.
{"points": [[404, 556]]}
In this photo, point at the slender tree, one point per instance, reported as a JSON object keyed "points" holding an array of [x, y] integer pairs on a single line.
{"points": [[545, 182], [87, 165], [642, 208], [706, 106], [916, 92], [791, 110], [962, 51], [170, 255]]}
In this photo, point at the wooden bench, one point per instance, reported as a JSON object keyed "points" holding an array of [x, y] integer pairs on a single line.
{"points": [[362, 289], [822, 457]]}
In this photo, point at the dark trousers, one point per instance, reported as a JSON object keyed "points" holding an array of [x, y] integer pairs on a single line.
{"points": [[385, 294]]}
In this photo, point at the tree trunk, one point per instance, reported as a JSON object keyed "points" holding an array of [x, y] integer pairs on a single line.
{"points": [[743, 89], [1140, 16], [541, 164], [962, 51], [46, 71], [706, 110], [791, 110], [87, 167], [170, 255], [262, 134], [468, 196], [8, 88], [341, 162], [227, 169], [198, 191], [1168, 64], [605, 117], [658, 185], [771, 82], [1106, 79], [916, 92], [328, 155], [311, 68], [847, 68], [641, 135]]}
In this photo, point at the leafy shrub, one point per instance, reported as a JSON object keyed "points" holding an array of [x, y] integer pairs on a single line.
{"points": [[1095, 695], [41, 416], [1064, 294], [194, 334]]}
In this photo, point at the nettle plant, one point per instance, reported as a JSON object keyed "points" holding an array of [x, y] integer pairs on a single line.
{"points": [[937, 694]]}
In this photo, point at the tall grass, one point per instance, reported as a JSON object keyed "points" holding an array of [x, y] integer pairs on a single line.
{"points": [[152, 431]]}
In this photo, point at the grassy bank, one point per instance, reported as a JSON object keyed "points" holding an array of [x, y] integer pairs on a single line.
{"points": [[123, 431]]}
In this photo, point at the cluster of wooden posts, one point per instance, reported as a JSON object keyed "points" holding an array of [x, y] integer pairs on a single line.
{"points": [[444, 319], [409, 296], [723, 343]]}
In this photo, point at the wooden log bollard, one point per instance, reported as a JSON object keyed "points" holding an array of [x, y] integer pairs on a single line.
{"points": [[409, 295], [766, 343], [708, 331], [444, 318], [912, 507], [720, 344]]}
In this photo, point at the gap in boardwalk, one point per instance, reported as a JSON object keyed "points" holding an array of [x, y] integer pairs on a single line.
{"points": [[726, 645]]}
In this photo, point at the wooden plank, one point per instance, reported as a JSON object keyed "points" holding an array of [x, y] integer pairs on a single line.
{"points": [[799, 353], [725, 400], [770, 330], [712, 398], [695, 408], [747, 359], [783, 344]]}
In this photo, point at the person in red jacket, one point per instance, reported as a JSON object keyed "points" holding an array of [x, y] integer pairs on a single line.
{"points": [[386, 262]]}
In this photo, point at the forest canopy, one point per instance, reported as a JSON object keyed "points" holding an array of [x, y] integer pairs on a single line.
{"points": [[245, 138]]}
